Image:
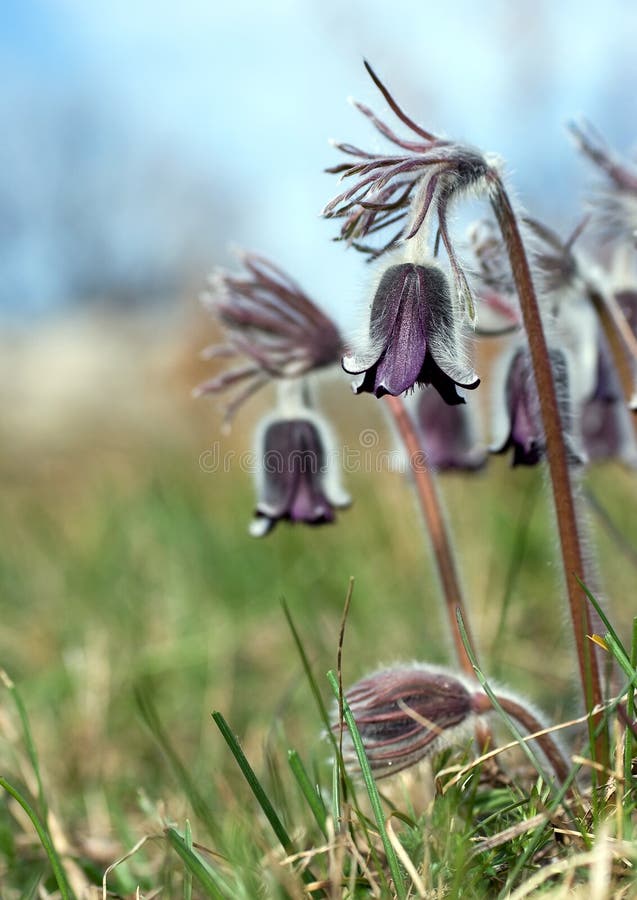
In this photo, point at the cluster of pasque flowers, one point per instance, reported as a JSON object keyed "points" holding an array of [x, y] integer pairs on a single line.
{"points": [[420, 317], [418, 325], [592, 407]]}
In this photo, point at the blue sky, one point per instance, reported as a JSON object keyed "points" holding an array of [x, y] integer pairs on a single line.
{"points": [[238, 100]]}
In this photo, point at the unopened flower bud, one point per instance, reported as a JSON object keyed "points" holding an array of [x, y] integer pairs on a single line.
{"points": [[406, 714]]}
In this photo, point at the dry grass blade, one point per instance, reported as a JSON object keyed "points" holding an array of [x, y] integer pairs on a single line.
{"points": [[465, 770], [503, 837], [598, 860], [403, 856], [140, 843]]}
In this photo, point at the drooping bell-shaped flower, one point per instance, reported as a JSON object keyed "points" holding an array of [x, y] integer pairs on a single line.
{"points": [[606, 429], [297, 481], [449, 434], [414, 337], [407, 713], [516, 407]]}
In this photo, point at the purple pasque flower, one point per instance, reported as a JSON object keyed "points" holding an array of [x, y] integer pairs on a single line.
{"points": [[297, 481], [615, 202], [272, 323], [600, 414], [516, 406], [448, 434], [606, 429], [407, 713], [413, 337], [407, 188]]}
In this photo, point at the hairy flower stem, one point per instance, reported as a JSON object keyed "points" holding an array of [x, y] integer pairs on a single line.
{"points": [[570, 543], [436, 526]]}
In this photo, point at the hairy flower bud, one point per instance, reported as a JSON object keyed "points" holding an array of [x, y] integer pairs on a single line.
{"points": [[627, 299], [407, 713]]}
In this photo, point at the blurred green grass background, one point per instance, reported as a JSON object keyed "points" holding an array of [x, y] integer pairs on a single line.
{"points": [[124, 564]]}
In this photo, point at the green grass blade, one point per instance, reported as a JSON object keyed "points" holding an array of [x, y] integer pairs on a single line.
{"points": [[197, 867], [337, 808], [45, 839], [150, 716], [601, 614], [620, 656], [515, 563], [31, 890], [188, 878], [28, 740], [258, 791], [372, 790], [630, 712], [515, 731], [535, 837], [602, 726], [254, 783], [316, 693], [312, 797]]}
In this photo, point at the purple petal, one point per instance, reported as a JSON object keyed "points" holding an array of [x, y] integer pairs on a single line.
{"points": [[310, 503]]}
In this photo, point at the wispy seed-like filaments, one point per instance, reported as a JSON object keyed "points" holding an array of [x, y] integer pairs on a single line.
{"points": [[406, 188], [615, 202], [270, 322]]}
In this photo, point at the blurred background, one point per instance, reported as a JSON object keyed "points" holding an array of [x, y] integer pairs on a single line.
{"points": [[142, 140]]}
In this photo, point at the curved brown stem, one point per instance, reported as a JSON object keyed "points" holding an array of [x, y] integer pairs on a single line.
{"points": [[622, 327], [436, 527], [570, 544], [531, 725]]}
